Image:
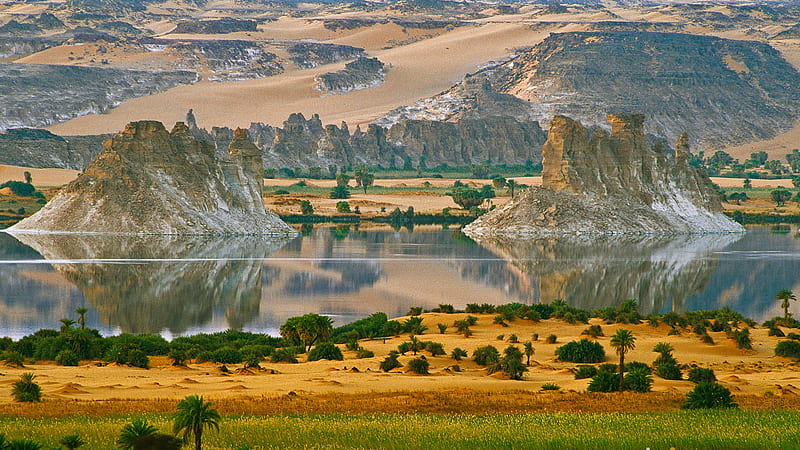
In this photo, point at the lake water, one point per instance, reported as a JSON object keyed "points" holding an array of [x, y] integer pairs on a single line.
{"points": [[177, 285]]}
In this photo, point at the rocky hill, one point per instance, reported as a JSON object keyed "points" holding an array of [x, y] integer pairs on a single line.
{"points": [[720, 91], [359, 74], [610, 183], [38, 95], [41, 149], [151, 181]]}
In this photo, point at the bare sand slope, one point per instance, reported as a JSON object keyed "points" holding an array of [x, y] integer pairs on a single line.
{"points": [[41, 177], [416, 71], [753, 372]]}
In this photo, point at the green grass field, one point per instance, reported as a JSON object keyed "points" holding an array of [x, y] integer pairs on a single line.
{"points": [[707, 429]]}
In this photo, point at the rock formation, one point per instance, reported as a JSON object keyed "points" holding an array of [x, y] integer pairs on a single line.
{"points": [[147, 180], [362, 73], [31, 147], [610, 183]]}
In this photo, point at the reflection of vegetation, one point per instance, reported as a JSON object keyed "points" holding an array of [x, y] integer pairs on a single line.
{"points": [[340, 232]]}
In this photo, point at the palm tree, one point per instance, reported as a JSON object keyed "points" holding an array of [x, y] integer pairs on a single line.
{"points": [[66, 325], [192, 417], [26, 390], [72, 441], [82, 317], [623, 342], [529, 351], [133, 431], [785, 295], [511, 185]]}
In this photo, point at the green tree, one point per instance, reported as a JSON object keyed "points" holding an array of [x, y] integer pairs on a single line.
{"points": [[342, 179], [306, 208], [26, 390], [780, 196], [193, 416], [307, 329], [466, 198], [785, 296], [342, 207], [511, 185], [27, 176], [364, 178], [66, 325], [622, 341], [529, 351], [747, 184], [82, 317], [72, 441], [738, 197], [499, 182], [340, 192], [133, 431]]}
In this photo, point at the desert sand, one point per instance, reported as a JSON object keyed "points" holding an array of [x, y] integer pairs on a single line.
{"points": [[745, 372]]}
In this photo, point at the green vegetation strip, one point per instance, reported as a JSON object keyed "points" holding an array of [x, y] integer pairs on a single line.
{"points": [[728, 429]]}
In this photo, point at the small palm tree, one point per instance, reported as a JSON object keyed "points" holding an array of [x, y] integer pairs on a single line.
{"points": [[66, 325], [785, 296], [511, 185], [82, 317], [24, 444], [529, 351], [623, 342], [133, 431], [193, 416], [72, 441], [26, 390]]}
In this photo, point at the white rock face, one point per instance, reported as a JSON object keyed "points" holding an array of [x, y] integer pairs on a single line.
{"points": [[150, 181], [611, 184]]}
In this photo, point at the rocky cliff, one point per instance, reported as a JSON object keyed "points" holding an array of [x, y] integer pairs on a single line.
{"points": [[30, 147], [610, 183], [359, 74], [147, 180]]}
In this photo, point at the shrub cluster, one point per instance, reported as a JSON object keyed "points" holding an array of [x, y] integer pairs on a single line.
{"points": [[582, 351]]}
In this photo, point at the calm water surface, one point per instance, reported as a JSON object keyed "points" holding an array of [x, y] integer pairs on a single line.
{"points": [[182, 285]]}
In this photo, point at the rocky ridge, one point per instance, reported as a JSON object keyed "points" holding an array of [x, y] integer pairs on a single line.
{"points": [[610, 183], [147, 180], [362, 73]]}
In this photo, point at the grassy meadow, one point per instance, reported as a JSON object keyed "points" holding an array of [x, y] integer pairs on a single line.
{"points": [[707, 429]]}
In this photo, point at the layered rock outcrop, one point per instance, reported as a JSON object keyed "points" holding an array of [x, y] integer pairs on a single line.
{"points": [[610, 183], [147, 180]]}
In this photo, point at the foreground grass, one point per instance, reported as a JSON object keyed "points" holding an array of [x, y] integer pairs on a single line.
{"points": [[679, 429]]}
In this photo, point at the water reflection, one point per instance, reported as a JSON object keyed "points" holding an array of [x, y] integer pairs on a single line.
{"points": [[146, 284], [659, 271]]}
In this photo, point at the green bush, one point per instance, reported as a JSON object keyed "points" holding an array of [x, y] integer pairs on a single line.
{"points": [[701, 375], [442, 327], [604, 382], [593, 330], [638, 380], [582, 351], [638, 365], [486, 355], [364, 353], [775, 331], [550, 339], [67, 358], [709, 395], [608, 367], [583, 372], [458, 354], [342, 207], [404, 347], [435, 348], [283, 355], [550, 387], [19, 188], [669, 371], [742, 338], [325, 350], [26, 390], [788, 348], [419, 365], [13, 358], [390, 362], [226, 355]]}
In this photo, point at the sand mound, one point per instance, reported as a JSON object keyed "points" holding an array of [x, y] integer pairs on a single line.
{"points": [[238, 387], [71, 388]]}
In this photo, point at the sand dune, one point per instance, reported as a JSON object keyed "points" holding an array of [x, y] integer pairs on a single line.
{"points": [[41, 177]]}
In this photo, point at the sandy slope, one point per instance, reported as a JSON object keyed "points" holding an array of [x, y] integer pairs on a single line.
{"points": [[743, 371], [40, 177], [417, 70]]}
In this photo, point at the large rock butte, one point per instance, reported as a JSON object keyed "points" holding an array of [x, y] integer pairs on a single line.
{"points": [[147, 180], [610, 183]]}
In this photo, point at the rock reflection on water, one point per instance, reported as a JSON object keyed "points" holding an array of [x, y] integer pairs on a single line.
{"points": [[147, 284], [594, 271]]}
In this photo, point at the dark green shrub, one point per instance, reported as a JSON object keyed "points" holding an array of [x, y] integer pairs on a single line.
{"points": [[442, 327], [404, 347], [608, 367], [419, 365], [471, 320], [19, 188], [283, 355], [67, 358], [72, 441], [709, 395], [593, 330], [26, 390], [512, 338], [226, 355], [13, 358], [486, 356], [458, 354], [435, 348], [325, 350], [582, 351], [390, 362], [446, 309], [775, 331], [674, 332], [638, 380], [742, 338], [364, 353], [706, 339], [499, 320], [342, 207], [550, 387], [604, 382], [638, 365], [24, 444], [550, 339], [414, 311], [500, 337], [585, 372], [510, 363], [137, 358], [788, 348], [157, 441], [414, 325], [669, 371], [701, 375]]}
